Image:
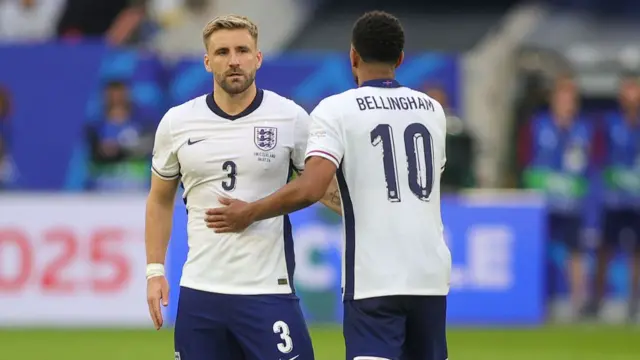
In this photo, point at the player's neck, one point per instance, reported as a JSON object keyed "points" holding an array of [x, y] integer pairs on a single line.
{"points": [[234, 104], [375, 73]]}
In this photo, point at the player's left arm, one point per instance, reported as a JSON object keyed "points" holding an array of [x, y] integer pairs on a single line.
{"points": [[331, 197]]}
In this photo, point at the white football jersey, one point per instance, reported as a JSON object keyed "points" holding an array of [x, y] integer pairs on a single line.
{"points": [[247, 157], [388, 143]]}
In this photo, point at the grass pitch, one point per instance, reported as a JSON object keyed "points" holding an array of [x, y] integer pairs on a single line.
{"points": [[548, 343]]}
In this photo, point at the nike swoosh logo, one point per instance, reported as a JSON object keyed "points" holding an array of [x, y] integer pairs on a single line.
{"points": [[295, 357], [189, 142]]}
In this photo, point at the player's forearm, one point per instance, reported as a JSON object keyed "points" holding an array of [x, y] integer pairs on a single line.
{"points": [[294, 196], [159, 219], [331, 198]]}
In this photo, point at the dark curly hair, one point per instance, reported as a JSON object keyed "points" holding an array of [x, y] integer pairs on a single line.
{"points": [[378, 37]]}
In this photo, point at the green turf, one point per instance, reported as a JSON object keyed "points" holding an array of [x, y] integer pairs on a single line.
{"points": [[550, 343]]}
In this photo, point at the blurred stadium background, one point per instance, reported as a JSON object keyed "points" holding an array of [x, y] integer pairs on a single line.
{"points": [[84, 83]]}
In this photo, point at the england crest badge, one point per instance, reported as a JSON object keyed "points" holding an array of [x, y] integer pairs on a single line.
{"points": [[265, 138]]}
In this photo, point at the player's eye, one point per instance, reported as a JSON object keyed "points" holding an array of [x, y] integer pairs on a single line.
{"points": [[222, 52]]}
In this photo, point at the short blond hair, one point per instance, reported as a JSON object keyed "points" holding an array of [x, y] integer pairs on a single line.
{"points": [[229, 22]]}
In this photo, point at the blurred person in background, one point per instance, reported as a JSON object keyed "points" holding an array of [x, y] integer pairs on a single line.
{"points": [[179, 20], [116, 20], [29, 20], [554, 152], [621, 201], [120, 145], [459, 143], [5, 112]]}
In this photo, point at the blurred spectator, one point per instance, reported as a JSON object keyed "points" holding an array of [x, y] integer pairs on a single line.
{"points": [[554, 151], [180, 23], [621, 205], [5, 112], [606, 7], [120, 145], [29, 20], [117, 20], [458, 173]]}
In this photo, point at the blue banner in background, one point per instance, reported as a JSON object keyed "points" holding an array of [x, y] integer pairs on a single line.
{"points": [[49, 88], [497, 250], [54, 101]]}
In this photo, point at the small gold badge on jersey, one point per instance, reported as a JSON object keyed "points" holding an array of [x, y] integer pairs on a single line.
{"points": [[266, 139]]}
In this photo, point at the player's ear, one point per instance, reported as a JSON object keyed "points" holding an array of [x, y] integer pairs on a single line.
{"points": [[259, 57], [207, 65], [400, 59], [353, 55]]}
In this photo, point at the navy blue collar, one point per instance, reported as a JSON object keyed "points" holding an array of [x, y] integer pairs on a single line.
{"points": [[255, 104], [382, 83]]}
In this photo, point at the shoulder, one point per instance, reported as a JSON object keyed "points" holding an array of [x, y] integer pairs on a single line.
{"points": [[334, 103], [437, 107], [611, 118], [188, 108], [275, 101], [178, 114]]}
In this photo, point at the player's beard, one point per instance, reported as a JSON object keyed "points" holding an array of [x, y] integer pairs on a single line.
{"points": [[238, 85]]}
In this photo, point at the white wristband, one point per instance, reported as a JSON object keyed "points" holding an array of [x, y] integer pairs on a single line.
{"points": [[154, 270]]}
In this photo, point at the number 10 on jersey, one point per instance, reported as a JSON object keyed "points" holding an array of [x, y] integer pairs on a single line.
{"points": [[420, 168]]}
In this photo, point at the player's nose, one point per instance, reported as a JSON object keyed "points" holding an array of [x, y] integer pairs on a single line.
{"points": [[234, 61]]}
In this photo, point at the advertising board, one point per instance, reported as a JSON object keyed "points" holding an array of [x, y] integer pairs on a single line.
{"points": [[72, 260], [497, 246]]}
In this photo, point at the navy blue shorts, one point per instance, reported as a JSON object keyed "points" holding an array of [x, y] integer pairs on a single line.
{"points": [[211, 326], [566, 229], [622, 228], [396, 328]]}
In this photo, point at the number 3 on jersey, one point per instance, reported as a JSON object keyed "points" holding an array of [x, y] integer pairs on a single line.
{"points": [[230, 168], [420, 167], [281, 327]]}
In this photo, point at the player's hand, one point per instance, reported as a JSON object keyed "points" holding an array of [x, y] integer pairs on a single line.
{"points": [[233, 217], [157, 293]]}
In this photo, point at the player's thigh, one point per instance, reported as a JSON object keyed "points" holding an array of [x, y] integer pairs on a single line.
{"points": [[374, 328], [566, 229], [426, 332], [201, 331], [271, 327]]}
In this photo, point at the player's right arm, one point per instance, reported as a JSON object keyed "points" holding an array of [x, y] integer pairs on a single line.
{"points": [[331, 198], [159, 215]]}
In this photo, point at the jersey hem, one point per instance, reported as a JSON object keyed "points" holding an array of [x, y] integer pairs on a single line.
{"points": [[374, 294], [242, 291]]}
